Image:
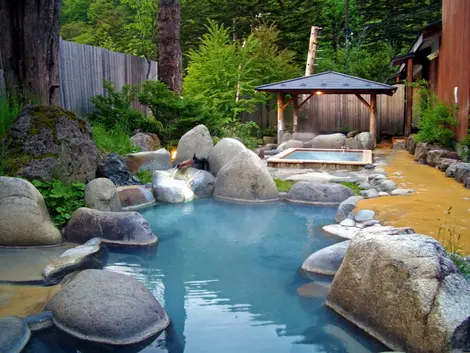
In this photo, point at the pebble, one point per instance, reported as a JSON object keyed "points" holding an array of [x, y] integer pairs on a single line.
{"points": [[383, 193]]}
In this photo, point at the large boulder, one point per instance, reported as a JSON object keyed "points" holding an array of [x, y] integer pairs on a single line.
{"points": [[14, 334], [287, 136], [101, 194], [196, 141], [114, 168], [146, 141], [352, 143], [135, 195], [223, 152], [47, 142], [321, 194], [24, 218], [201, 182], [434, 157], [291, 144], [170, 190], [421, 151], [411, 144], [404, 291], [346, 207], [303, 136], [245, 178], [107, 307], [326, 261], [365, 141], [119, 228], [462, 171], [444, 163], [154, 160], [333, 141]]}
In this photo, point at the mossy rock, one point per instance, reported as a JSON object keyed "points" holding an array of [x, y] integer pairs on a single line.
{"points": [[48, 142]]}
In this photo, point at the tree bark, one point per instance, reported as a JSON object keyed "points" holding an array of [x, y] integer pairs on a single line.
{"points": [[170, 65], [29, 47]]}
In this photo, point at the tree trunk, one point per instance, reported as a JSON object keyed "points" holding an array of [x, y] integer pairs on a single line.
{"points": [[170, 64], [29, 45]]}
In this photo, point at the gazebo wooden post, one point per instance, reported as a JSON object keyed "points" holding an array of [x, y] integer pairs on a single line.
{"points": [[409, 97], [280, 116], [373, 116], [295, 99]]}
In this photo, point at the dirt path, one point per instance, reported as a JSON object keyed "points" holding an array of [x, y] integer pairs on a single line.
{"points": [[425, 210]]}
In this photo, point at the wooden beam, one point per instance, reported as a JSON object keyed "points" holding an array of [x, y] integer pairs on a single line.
{"points": [[373, 117], [296, 112], [280, 116], [409, 97], [363, 100], [305, 100], [287, 103]]}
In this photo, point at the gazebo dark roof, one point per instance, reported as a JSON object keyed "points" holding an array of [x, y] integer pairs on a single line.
{"points": [[328, 82]]}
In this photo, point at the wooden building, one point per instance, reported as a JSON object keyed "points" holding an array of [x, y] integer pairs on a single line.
{"points": [[441, 55]]}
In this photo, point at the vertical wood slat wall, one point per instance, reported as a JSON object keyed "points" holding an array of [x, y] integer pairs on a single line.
{"points": [[82, 69]]}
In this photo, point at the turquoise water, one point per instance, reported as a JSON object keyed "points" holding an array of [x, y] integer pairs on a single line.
{"points": [[228, 276], [326, 156]]}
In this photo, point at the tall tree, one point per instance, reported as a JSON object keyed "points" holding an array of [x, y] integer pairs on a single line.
{"points": [[170, 64], [29, 43]]}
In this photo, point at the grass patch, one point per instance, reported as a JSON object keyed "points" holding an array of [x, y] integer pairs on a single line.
{"points": [[113, 140], [145, 176], [353, 186], [283, 185]]}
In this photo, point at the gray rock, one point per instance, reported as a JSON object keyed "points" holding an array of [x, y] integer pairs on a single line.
{"points": [[146, 141], [114, 168], [411, 144], [400, 192], [150, 161], [366, 142], [368, 223], [80, 257], [40, 321], [170, 190], [245, 178], [433, 157], [334, 141], [352, 134], [369, 194], [326, 261], [386, 185], [24, 216], [399, 146], [462, 171], [224, 151], [201, 183], [135, 195], [101, 194], [286, 137], [119, 228], [466, 182], [444, 163], [14, 334], [322, 194], [450, 171], [364, 186], [364, 215], [348, 222], [352, 143], [48, 143], [404, 291], [196, 141], [347, 233], [369, 166], [346, 207], [422, 150], [383, 193], [107, 307], [303, 136], [291, 144], [341, 232]]}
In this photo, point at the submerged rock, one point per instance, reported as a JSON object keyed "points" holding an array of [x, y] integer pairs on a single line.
{"points": [[106, 307], [101, 195], [245, 178], [223, 152], [313, 193], [24, 218], [14, 334], [196, 141], [405, 291], [326, 261], [119, 228], [346, 207]]}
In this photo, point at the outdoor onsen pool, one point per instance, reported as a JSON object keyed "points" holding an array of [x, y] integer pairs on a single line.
{"points": [[321, 158], [228, 276]]}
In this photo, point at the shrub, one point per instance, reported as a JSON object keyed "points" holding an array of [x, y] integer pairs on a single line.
{"points": [[145, 176], [283, 185], [113, 140], [353, 186], [61, 200], [436, 118], [246, 132]]}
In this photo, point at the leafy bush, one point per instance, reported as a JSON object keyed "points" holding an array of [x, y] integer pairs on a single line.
{"points": [[145, 176], [246, 132], [283, 185], [353, 186], [61, 200], [435, 118], [113, 140]]}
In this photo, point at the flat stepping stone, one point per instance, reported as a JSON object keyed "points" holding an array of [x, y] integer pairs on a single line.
{"points": [[345, 233], [327, 260], [364, 215], [14, 334]]}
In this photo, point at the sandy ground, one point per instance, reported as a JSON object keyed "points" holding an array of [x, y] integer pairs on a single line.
{"points": [[426, 209]]}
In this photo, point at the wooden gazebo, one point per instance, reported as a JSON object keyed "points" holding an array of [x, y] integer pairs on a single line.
{"points": [[329, 82]]}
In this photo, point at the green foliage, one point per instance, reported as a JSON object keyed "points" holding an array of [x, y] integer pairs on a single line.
{"points": [[465, 144], [113, 140], [61, 200], [246, 132], [283, 185], [145, 176], [353, 186], [435, 118]]}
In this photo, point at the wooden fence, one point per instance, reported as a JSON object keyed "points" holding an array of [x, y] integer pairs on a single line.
{"points": [[336, 112], [82, 69]]}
